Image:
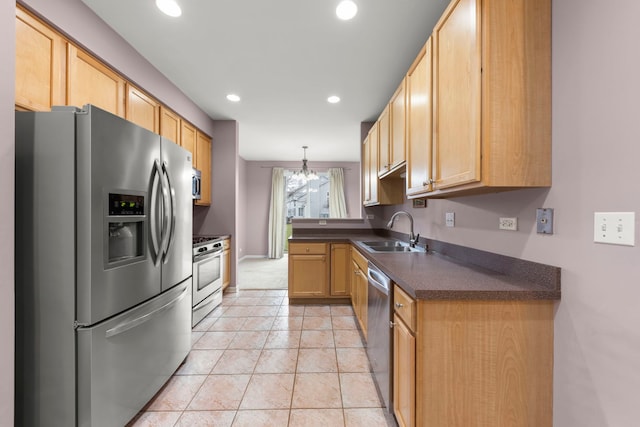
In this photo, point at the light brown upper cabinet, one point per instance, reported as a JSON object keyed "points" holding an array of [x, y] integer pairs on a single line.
{"points": [[188, 139], [376, 191], [384, 155], [169, 124], [203, 163], [397, 148], [370, 167], [91, 82], [41, 59], [492, 97], [419, 123], [392, 125], [142, 109]]}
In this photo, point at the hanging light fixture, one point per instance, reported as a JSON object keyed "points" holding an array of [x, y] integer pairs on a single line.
{"points": [[305, 173]]}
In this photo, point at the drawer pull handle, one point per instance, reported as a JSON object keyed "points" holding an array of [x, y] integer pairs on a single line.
{"points": [[399, 305]]}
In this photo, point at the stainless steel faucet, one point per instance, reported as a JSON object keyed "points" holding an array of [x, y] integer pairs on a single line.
{"points": [[413, 239]]}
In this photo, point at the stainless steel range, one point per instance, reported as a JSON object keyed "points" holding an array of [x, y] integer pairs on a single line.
{"points": [[207, 276]]}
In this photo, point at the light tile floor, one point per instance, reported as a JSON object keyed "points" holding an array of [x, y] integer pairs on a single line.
{"points": [[257, 361]]}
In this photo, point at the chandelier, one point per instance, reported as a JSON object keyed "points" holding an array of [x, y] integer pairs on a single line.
{"points": [[305, 173]]}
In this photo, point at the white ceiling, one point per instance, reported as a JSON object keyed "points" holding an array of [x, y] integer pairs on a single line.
{"points": [[283, 58]]}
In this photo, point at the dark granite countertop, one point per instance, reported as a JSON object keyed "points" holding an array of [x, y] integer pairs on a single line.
{"points": [[455, 272]]}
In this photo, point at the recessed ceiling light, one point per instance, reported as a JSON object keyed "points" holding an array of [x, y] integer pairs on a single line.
{"points": [[233, 97], [346, 10], [333, 99], [169, 7]]}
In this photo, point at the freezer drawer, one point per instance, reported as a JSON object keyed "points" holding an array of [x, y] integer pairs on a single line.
{"points": [[123, 362]]}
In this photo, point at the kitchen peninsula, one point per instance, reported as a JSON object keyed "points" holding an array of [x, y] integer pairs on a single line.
{"points": [[472, 331]]}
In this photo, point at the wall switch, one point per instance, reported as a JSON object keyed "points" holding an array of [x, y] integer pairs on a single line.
{"points": [[544, 221], [616, 228], [450, 219], [508, 224], [322, 222]]}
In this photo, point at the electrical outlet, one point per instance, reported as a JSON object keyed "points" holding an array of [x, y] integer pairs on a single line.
{"points": [[450, 219], [322, 222], [370, 216], [616, 228], [508, 224]]}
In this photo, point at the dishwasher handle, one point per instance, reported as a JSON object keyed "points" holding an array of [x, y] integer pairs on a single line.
{"points": [[378, 279]]}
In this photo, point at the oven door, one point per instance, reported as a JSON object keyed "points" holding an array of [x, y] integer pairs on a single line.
{"points": [[207, 275]]}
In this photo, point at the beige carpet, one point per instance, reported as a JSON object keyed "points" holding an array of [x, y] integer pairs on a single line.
{"points": [[263, 273]]}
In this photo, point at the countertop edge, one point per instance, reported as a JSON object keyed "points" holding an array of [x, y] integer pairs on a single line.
{"points": [[474, 280]]}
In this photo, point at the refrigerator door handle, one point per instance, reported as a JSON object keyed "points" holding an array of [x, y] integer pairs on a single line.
{"points": [[123, 327], [172, 224], [166, 212], [153, 214]]}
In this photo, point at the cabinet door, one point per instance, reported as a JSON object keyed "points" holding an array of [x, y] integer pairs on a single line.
{"points": [[91, 82], [457, 94], [40, 65], [142, 109], [363, 294], [203, 163], [404, 374], [188, 139], [384, 154], [354, 286], [419, 123], [366, 178], [307, 275], [397, 153], [226, 268], [373, 164], [340, 269], [169, 124]]}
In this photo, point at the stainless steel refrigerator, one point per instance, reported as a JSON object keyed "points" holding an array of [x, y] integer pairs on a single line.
{"points": [[103, 266]]}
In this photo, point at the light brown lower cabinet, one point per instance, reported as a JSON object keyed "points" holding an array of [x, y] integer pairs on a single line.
{"points": [[477, 363], [404, 373], [308, 270], [359, 290], [226, 263], [340, 268]]}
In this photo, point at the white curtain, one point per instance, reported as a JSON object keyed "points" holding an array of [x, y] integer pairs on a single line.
{"points": [[337, 204], [277, 215]]}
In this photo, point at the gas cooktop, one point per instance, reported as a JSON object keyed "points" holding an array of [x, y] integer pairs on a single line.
{"points": [[199, 240]]}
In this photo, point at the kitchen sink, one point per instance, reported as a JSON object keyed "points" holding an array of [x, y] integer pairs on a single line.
{"points": [[390, 246]]}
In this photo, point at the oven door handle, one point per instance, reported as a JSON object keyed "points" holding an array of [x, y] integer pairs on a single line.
{"points": [[206, 256]]}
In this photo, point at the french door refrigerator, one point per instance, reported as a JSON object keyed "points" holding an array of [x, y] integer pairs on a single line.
{"points": [[103, 266]]}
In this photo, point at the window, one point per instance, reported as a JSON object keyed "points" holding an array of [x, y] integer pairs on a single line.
{"points": [[307, 199]]}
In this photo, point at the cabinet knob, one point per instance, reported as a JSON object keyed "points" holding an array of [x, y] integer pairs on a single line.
{"points": [[307, 249], [399, 305]]}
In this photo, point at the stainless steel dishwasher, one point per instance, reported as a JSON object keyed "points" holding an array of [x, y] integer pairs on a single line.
{"points": [[379, 333]]}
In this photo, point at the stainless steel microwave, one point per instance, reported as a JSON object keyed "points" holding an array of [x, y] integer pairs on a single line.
{"points": [[196, 184]]}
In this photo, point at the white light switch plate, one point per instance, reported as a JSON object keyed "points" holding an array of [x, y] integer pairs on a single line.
{"points": [[616, 228]]}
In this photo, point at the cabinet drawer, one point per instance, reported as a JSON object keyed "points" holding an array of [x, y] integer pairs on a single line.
{"points": [[405, 307], [307, 248]]}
